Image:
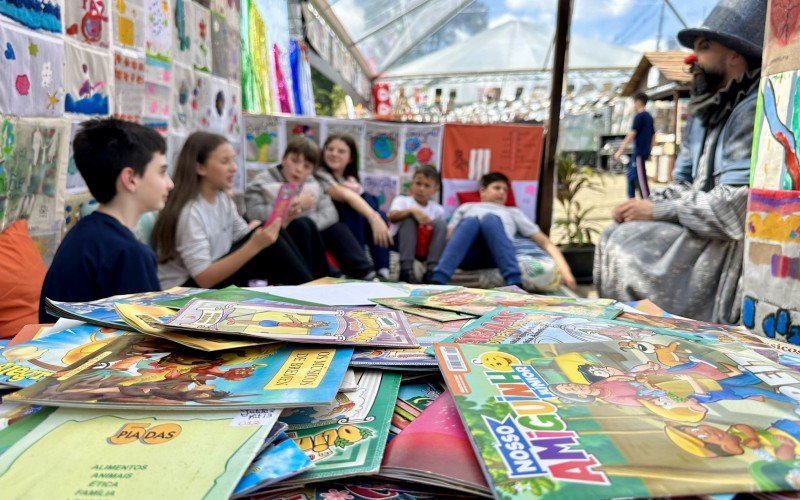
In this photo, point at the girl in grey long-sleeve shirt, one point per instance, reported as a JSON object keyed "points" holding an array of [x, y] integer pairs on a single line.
{"points": [[297, 166]]}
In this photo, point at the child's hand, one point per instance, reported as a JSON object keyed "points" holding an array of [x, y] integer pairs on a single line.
{"points": [[352, 184], [380, 231], [569, 280], [421, 217], [307, 201], [266, 236], [253, 224]]}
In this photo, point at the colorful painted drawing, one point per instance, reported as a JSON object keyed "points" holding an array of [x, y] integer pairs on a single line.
{"points": [[231, 10], [772, 257], [348, 436], [136, 371], [782, 40], [382, 153], [43, 15], [129, 23], [183, 13], [384, 187], [364, 326], [478, 302], [44, 462], [422, 146], [129, 87], [32, 80], [200, 33], [87, 22], [596, 420], [215, 116], [775, 163], [220, 31], [353, 128], [232, 119], [88, 79], [183, 115], [305, 127], [262, 136], [35, 163], [158, 29]]}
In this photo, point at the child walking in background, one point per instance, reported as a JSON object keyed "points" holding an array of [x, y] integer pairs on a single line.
{"points": [[358, 210], [125, 167], [480, 235], [408, 213], [313, 204], [200, 238]]}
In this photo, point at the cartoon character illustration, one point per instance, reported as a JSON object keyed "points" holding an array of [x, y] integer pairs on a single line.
{"points": [[779, 441], [285, 323], [670, 355], [87, 89], [497, 361]]}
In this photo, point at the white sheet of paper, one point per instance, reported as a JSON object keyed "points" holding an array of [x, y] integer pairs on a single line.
{"points": [[344, 294]]}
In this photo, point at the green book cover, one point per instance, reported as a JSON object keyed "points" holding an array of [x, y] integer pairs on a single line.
{"points": [[132, 455]]}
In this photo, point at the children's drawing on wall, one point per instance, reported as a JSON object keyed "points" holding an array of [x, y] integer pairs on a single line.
{"points": [[229, 9], [129, 21], [75, 182], [88, 80], [775, 164], [32, 77], [158, 29], [310, 129], [183, 114], [201, 37], [87, 21], [215, 114], [383, 187], [202, 99], [233, 112], [772, 265], [353, 128], [128, 87], [262, 142], [782, 40], [44, 15], [181, 32], [157, 94], [382, 145], [36, 170], [422, 146]]}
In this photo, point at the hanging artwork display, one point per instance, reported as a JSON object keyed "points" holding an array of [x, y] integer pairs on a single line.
{"points": [[203, 100], [157, 94], [74, 181], [422, 146], [183, 115], [782, 37], [182, 12], [233, 113], [385, 188], [382, 145], [35, 160], [42, 15], [305, 127], [32, 76], [88, 80], [200, 37], [256, 93], [129, 87], [216, 113], [219, 45], [128, 17], [774, 162], [158, 29], [353, 128], [470, 151], [87, 22], [771, 281], [229, 9], [262, 139]]}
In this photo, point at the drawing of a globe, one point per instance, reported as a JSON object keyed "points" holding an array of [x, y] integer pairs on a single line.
{"points": [[383, 147]]}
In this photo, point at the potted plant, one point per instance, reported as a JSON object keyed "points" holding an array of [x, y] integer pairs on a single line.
{"points": [[576, 239]]}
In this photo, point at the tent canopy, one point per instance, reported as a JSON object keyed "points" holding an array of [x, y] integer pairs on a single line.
{"points": [[514, 47]]}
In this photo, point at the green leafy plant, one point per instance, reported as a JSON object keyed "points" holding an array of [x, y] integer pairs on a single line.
{"points": [[572, 179]]}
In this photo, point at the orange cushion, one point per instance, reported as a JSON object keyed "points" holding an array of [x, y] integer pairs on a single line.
{"points": [[21, 276], [475, 196]]}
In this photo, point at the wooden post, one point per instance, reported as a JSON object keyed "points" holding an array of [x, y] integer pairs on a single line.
{"points": [[544, 216]]}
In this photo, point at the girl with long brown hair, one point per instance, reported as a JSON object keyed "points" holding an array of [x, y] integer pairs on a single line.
{"points": [[199, 237]]}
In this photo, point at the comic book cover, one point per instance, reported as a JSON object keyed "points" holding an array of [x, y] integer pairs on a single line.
{"points": [[11, 413], [137, 371], [281, 460], [426, 331], [346, 437], [425, 312], [319, 325], [29, 332], [150, 321], [478, 302], [599, 420], [230, 294], [25, 364], [435, 449], [412, 398], [361, 489], [102, 312], [132, 455]]}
